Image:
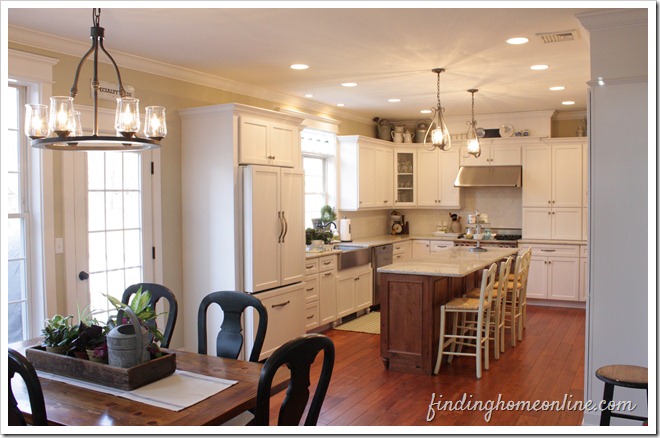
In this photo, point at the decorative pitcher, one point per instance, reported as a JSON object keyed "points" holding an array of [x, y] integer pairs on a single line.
{"points": [[384, 129], [397, 137], [127, 343], [408, 136]]}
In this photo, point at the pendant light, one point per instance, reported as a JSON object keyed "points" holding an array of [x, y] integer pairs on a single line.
{"points": [[440, 137], [473, 146], [63, 123]]}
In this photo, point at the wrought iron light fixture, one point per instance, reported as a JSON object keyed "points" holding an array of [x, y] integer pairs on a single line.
{"points": [[440, 137], [64, 123], [473, 146]]}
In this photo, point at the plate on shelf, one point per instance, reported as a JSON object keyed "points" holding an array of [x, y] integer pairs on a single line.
{"points": [[506, 130]]}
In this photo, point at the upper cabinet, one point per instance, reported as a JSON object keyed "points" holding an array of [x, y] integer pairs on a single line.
{"points": [[436, 173], [268, 141], [493, 154], [366, 173]]}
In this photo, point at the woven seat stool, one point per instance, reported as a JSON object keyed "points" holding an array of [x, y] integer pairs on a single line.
{"points": [[628, 376]]}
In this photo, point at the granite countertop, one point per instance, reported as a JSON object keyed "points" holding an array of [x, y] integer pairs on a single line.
{"points": [[451, 262]]}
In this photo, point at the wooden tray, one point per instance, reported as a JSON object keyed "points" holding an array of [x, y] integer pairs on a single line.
{"points": [[99, 373]]}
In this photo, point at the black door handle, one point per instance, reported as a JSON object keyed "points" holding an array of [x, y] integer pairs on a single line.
{"points": [[83, 275]]}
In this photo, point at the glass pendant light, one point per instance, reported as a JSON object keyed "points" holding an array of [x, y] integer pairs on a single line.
{"points": [[473, 146], [440, 137]]}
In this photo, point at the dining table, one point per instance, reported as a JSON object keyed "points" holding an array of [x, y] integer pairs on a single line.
{"points": [[72, 405]]}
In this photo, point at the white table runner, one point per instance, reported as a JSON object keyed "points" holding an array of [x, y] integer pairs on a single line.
{"points": [[175, 392]]}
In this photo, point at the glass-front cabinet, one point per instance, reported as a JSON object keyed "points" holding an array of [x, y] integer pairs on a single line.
{"points": [[405, 164]]}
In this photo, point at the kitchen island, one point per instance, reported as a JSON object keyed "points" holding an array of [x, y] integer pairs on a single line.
{"points": [[412, 293]]}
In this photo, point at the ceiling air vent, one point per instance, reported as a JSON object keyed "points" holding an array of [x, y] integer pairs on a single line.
{"points": [[558, 37]]}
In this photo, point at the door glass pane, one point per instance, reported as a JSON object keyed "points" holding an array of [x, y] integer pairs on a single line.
{"points": [[95, 211], [131, 171], [114, 217], [16, 323]]}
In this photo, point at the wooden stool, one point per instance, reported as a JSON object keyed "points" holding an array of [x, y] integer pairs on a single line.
{"points": [[629, 376]]}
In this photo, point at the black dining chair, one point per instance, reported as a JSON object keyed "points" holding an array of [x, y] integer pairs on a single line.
{"points": [[157, 291], [230, 338], [18, 364], [298, 355]]}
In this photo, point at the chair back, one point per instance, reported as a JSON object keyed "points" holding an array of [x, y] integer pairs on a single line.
{"points": [[487, 285], [298, 354], [157, 292], [502, 286], [230, 338], [18, 364]]}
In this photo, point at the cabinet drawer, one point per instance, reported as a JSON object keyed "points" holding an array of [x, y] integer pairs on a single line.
{"points": [[555, 250], [311, 266], [398, 257], [311, 290], [311, 315], [439, 245], [285, 317], [398, 248], [327, 263]]}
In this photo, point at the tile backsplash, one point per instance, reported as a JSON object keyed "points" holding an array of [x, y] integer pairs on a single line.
{"points": [[503, 205]]}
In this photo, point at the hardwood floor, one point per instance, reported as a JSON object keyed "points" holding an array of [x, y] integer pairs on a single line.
{"points": [[547, 365]]}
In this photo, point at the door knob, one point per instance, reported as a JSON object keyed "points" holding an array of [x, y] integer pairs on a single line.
{"points": [[83, 275]]}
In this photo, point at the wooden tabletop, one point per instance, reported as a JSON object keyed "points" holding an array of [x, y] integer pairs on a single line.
{"points": [[73, 406]]}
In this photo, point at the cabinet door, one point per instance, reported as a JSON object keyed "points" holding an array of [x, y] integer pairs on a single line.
{"points": [[262, 228], [292, 209], [366, 194], [449, 196], [537, 171], [253, 137], [284, 145], [566, 175], [537, 223], [311, 288], [564, 278], [383, 177], [427, 178], [346, 295], [439, 245], [363, 291], [405, 170], [311, 315], [537, 282], [567, 223], [420, 248], [327, 297], [285, 317], [505, 155], [470, 160]]}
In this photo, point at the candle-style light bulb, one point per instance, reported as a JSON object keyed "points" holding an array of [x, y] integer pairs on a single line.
{"points": [[155, 124], [127, 117], [61, 119], [36, 120]]}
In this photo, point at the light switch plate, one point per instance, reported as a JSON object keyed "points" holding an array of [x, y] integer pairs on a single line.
{"points": [[59, 245]]}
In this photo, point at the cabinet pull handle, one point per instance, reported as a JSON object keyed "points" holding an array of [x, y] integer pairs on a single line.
{"points": [[310, 316], [286, 227], [548, 250], [281, 304], [327, 274], [279, 216], [309, 266], [310, 289], [327, 262]]}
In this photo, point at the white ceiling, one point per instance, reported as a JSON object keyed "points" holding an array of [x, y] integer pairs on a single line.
{"points": [[389, 52]]}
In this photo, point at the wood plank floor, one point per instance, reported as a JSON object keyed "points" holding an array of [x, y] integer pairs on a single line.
{"points": [[547, 365]]}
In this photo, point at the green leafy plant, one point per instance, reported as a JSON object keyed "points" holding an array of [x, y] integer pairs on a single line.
{"points": [[59, 331], [316, 234], [328, 215]]}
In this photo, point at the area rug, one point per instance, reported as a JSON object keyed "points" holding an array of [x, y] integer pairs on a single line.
{"points": [[368, 323]]}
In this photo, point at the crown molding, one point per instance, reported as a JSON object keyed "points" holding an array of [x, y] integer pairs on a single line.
{"points": [[44, 41], [613, 18]]}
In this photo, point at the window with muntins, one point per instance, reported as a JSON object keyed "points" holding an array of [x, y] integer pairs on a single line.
{"points": [[318, 152]]}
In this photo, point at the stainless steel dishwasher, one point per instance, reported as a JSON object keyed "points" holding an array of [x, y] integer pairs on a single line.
{"points": [[381, 256]]}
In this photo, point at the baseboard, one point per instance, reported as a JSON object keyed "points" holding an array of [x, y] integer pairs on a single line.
{"points": [[557, 303]]}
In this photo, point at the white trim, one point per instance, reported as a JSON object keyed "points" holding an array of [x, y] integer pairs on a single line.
{"points": [[41, 40], [613, 18], [37, 73], [570, 115]]}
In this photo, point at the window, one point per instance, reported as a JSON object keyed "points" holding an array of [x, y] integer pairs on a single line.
{"points": [[318, 151], [14, 147]]}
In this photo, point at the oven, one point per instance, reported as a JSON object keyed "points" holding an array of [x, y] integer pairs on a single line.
{"points": [[504, 238]]}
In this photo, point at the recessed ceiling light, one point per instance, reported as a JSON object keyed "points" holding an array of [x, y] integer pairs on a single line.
{"points": [[394, 100], [426, 111], [557, 88], [517, 40], [309, 95], [568, 102], [349, 84], [341, 104], [539, 67], [299, 66]]}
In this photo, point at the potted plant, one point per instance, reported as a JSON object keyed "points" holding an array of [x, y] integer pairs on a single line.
{"points": [[91, 341], [317, 234], [59, 333], [328, 217]]}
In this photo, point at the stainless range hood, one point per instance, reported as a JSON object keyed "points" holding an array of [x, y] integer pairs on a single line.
{"points": [[489, 176]]}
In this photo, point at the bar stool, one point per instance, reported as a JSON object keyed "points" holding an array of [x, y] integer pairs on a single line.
{"points": [[513, 312], [628, 376]]}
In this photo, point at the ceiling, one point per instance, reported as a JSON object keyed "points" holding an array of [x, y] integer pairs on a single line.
{"points": [[388, 52]]}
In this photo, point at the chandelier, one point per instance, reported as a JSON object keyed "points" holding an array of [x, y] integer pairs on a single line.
{"points": [[61, 129], [473, 146], [440, 137]]}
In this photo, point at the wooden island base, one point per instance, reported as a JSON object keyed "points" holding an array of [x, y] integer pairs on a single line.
{"points": [[410, 318]]}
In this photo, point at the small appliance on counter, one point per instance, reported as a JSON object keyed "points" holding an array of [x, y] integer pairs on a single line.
{"points": [[345, 230], [398, 224], [455, 225]]}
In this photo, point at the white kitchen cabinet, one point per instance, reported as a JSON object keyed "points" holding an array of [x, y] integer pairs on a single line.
{"points": [[354, 290], [420, 248], [366, 173], [440, 245], [492, 155], [272, 227], [327, 296], [436, 173], [584, 272], [552, 223], [268, 142], [401, 251], [554, 272], [405, 162], [320, 291], [286, 320]]}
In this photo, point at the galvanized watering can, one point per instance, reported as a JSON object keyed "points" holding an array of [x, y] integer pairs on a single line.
{"points": [[127, 343]]}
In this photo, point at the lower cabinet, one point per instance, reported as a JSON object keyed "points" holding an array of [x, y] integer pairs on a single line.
{"points": [[327, 296], [354, 290], [440, 245], [402, 251], [420, 248], [554, 272]]}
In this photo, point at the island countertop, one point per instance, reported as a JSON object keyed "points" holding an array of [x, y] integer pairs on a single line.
{"points": [[451, 262]]}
